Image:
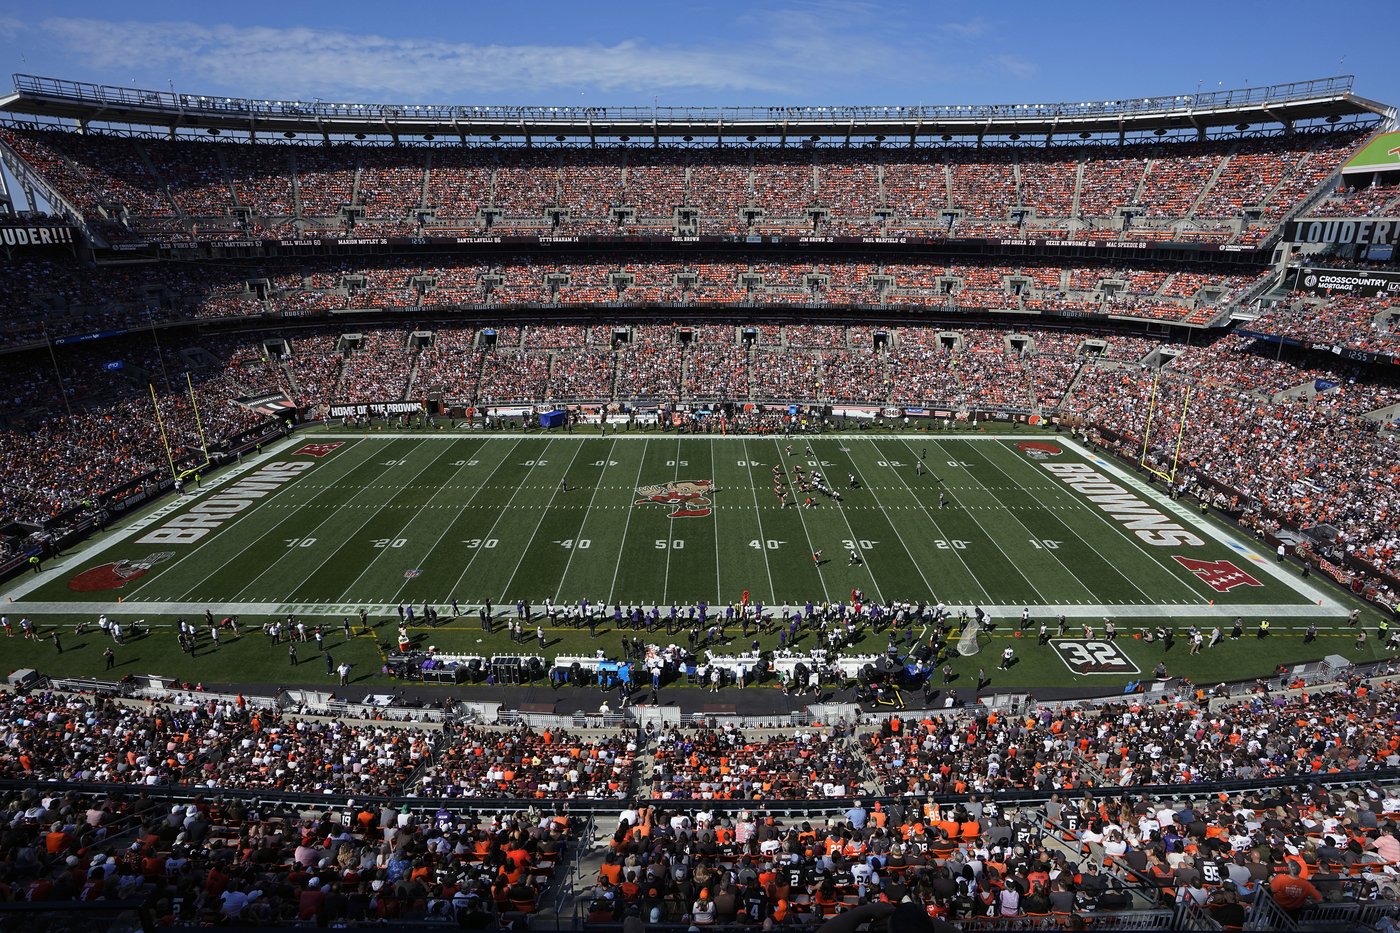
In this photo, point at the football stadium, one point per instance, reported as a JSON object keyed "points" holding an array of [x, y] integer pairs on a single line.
{"points": [[982, 516]]}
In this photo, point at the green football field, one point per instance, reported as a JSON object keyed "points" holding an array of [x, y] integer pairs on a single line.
{"points": [[325, 524]]}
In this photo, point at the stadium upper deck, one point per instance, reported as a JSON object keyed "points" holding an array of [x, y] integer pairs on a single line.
{"points": [[1218, 171]]}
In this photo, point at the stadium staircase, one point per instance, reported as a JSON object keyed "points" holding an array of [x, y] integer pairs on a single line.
{"points": [[1142, 182], [233, 197], [297, 216], [1210, 183], [31, 180], [355, 185], [427, 176], [1318, 194], [150, 167], [1078, 188]]}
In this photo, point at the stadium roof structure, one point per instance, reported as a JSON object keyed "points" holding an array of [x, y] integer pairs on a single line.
{"points": [[1327, 99]]}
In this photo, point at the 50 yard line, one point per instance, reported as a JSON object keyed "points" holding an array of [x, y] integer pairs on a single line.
{"points": [[671, 530]]}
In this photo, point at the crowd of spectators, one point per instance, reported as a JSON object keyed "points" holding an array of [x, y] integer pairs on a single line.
{"points": [[175, 187], [53, 299], [527, 764], [1370, 324], [724, 764], [212, 861]]}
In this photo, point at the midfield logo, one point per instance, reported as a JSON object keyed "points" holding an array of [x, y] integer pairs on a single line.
{"points": [[1093, 657], [1039, 450], [689, 498], [1220, 575]]}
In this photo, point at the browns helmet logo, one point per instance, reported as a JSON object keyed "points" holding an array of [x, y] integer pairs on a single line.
{"points": [[1039, 450], [116, 574], [689, 498]]}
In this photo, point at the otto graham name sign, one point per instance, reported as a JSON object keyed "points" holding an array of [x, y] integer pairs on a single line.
{"points": [[1384, 232], [1362, 283]]}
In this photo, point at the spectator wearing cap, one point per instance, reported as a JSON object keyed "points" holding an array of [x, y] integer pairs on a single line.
{"points": [[1292, 892]]}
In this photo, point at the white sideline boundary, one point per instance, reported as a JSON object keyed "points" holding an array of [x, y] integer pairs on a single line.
{"points": [[65, 564], [1319, 605], [137, 607], [1318, 598]]}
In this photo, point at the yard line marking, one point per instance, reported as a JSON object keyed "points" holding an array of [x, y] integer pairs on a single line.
{"points": [[291, 513], [622, 548], [346, 540], [1053, 556], [666, 580], [995, 541], [811, 548], [1063, 493], [855, 538], [762, 538], [520, 560], [453, 520], [895, 525], [558, 593], [719, 589], [504, 510]]}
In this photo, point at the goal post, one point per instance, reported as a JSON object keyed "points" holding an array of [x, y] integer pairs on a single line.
{"points": [[1170, 476]]}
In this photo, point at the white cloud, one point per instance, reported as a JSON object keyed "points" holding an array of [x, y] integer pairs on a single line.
{"points": [[305, 62], [806, 50]]}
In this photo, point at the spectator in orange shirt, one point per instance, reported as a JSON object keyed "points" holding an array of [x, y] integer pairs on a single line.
{"points": [[1293, 892]]}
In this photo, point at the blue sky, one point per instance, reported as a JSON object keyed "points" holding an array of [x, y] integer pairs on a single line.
{"points": [[718, 53]]}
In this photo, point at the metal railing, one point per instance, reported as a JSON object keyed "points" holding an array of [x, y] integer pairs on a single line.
{"points": [[106, 95]]}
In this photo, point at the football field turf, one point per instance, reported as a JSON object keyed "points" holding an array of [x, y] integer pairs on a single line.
{"points": [[327, 523]]}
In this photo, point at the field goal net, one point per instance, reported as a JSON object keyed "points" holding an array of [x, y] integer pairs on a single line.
{"points": [[968, 643]]}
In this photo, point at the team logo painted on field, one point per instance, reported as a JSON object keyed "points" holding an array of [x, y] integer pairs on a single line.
{"points": [[1039, 450], [116, 574], [1089, 656], [690, 498], [316, 450], [1220, 575]]}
